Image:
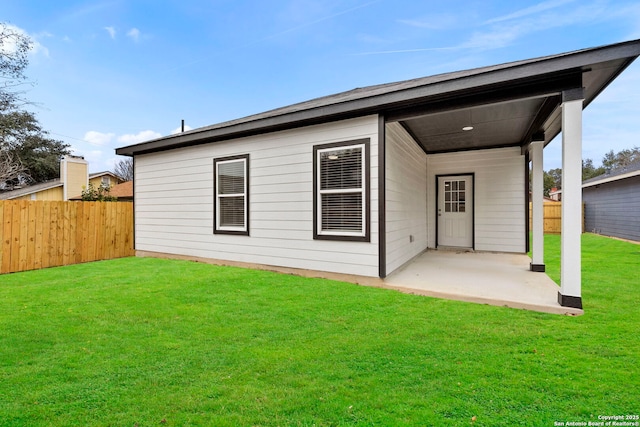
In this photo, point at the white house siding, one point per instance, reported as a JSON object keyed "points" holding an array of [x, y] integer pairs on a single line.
{"points": [[499, 195], [406, 197], [174, 201]]}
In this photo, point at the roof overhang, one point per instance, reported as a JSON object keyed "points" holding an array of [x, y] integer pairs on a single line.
{"points": [[605, 179], [31, 189], [506, 104]]}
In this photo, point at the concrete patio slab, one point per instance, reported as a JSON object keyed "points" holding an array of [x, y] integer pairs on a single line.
{"points": [[481, 277]]}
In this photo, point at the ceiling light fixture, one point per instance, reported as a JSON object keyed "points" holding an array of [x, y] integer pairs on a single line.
{"points": [[467, 128]]}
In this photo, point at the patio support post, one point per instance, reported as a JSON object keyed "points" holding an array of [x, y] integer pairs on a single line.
{"points": [[570, 252], [537, 189]]}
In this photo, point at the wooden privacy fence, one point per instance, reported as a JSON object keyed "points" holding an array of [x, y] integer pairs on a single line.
{"points": [[552, 214], [40, 234]]}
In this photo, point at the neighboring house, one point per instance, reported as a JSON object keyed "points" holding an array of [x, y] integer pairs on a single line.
{"points": [[612, 203], [555, 194], [104, 179], [363, 181], [544, 199], [73, 178], [123, 191]]}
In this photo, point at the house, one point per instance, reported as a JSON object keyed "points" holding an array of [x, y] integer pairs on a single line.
{"points": [[362, 182], [123, 191], [555, 194], [104, 179], [612, 203], [73, 178], [544, 199]]}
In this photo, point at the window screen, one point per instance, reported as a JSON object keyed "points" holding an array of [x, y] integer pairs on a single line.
{"points": [[341, 191], [231, 194]]}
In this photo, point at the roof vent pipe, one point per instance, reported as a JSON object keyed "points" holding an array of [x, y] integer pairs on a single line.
{"points": [[182, 126]]}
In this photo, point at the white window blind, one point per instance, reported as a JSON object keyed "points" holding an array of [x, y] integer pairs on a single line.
{"points": [[231, 195], [341, 191]]}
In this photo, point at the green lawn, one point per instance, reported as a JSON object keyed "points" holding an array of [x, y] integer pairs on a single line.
{"points": [[152, 342]]}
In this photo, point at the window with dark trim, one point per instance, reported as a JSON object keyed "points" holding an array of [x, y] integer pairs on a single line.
{"points": [[231, 195], [341, 191]]}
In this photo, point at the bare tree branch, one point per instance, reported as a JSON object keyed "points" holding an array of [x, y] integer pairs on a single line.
{"points": [[124, 169], [14, 50], [11, 169]]}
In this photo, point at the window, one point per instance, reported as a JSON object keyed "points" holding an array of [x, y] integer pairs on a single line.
{"points": [[105, 182], [231, 201], [454, 196], [341, 191]]}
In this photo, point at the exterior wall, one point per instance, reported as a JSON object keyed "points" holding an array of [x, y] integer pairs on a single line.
{"points": [[74, 174], [612, 208], [174, 201], [49, 194], [499, 196], [406, 197], [97, 181]]}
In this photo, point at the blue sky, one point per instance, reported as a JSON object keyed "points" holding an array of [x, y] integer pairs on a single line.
{"points": [[115, 72]]}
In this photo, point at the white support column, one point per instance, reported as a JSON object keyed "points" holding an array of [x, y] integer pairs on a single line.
{"points": [[570, 294], [537, 188]]}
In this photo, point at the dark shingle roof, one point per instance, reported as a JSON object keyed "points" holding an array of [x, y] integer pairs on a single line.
{"points": [[379, 98], [632, 169]]}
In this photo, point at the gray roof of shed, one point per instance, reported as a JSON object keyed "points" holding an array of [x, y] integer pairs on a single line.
{"points": [[547, 75], [628, 171]]}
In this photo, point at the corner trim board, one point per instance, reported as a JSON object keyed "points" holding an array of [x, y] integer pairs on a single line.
{"points": [[382, 201]]}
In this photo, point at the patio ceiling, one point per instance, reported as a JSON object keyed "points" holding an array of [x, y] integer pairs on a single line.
{"points": [[493, 125], [506, 115]]}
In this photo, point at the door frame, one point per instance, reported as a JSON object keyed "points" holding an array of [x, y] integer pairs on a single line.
{"points": [[473, 204]]}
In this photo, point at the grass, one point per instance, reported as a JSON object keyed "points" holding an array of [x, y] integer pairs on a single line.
{"points": [[149, 342]]}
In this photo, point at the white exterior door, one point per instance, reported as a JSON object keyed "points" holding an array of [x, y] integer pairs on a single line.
{"points": [[455, 211]]}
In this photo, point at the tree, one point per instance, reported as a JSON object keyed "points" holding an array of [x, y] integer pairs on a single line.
{"points": [[14, 48], [124, 169], [548, 183], [590, 171], [34, 156], [551, 179], [620, 159], [11, 169], [23, 139], [99, 194]]}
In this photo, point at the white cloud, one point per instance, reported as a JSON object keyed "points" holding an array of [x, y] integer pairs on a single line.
{"points": [[9, 45], [111, 31], [502, 33], [98, 138], [179, 129], [536, 8], [432, 22], [134, 33], [142, 136]]}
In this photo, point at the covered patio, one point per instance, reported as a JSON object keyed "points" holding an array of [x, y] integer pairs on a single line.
{"points": [[522, 106], [481, 277]]}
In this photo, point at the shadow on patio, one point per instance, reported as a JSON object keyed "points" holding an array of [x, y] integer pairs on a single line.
{"points": [[481, 277]]}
